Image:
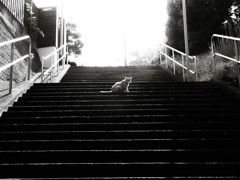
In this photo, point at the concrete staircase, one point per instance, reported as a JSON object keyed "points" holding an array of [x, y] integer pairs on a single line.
{"points": [[161, 129]]}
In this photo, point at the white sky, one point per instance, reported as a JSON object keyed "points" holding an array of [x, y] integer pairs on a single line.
{"points": [[101, 23]]}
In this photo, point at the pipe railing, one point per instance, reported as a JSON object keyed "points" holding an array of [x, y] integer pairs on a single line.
{"points": [[13, 62], [163, 51], [215, 54], [56, 64]]}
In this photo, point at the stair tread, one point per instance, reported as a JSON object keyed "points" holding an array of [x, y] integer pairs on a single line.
{"points": [[161, 129]]}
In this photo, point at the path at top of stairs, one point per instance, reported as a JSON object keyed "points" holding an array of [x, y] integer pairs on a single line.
{"points": [[161, 129], [147, 73]]}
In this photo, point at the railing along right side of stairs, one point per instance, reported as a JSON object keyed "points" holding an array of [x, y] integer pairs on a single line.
{"points": [[55, 66], [217, 54], [164, 49]]}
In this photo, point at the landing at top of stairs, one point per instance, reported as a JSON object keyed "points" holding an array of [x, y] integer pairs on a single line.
{"points": [[147, 73]]}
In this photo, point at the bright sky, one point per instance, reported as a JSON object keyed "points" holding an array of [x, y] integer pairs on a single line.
{"points": [[102, 24]]}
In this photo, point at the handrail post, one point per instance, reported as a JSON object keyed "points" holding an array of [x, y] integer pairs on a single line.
{"points": [[213, 58], [51, 75], [43, 60], [66, 54], [174, 67], [236, 49], [63, 60], [160, 55], [11, 69], [237, 58], [30, 58], [58, 54], [183, 69], [166, 59], [238, 69], [195, 63]]}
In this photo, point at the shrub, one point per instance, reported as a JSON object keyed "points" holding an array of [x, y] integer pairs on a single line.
{"points": [[228, 72]]}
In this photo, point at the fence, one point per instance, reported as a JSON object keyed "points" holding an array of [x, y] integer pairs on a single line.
{"points": [[13, 62], [236, 49], [163, 51], [54, 66], [16, 7]]}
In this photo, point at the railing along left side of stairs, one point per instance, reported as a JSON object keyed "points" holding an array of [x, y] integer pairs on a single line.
{"points": [[61, 53], [61, 50], [13, 62]]}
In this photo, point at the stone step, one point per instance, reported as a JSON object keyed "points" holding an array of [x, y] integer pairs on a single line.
{"points": [[161, 129]]}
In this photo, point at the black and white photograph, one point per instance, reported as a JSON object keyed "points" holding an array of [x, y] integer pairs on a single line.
{"points": [[119, 89]]}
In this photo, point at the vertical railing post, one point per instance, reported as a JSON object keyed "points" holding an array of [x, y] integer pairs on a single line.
{"points": [[195, 64], [238, 66], [58, 54], [236, 49], [213, 58], [11, 69], [183, 68], [166, 59], [160, 55], [237, 58], [30, 58], [66, 54], [43, 60], [63, 60], [51, 75], [174, 66]]}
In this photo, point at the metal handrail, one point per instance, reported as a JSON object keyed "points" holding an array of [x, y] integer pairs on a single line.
{"points": [[10, 65], [176, 62], [50, 69], [236, 59]]}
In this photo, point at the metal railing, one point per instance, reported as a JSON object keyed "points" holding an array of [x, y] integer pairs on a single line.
{"points": [[16, 7], [163, 51], [13, 62], [56, 64], [215, 54]]}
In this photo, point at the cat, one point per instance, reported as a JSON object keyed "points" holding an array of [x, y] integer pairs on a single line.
{"points": [[120, 87]]}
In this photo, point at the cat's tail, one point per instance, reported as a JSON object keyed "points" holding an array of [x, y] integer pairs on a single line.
{"points": [[105, 91]]}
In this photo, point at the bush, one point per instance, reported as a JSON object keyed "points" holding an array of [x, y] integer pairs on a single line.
{"points": [[228, 72]]}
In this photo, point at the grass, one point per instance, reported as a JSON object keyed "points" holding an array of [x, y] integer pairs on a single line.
{"points": [[204, 69], [226, 71]]}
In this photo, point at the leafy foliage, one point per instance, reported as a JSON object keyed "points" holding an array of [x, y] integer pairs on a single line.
{"points": [[232, 23], [204, 18], [174, 30], [73, 39]]}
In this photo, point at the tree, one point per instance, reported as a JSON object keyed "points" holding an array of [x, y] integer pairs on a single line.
{"points": [[174, 31], [73, 39], [205, 17], [232, 23]]}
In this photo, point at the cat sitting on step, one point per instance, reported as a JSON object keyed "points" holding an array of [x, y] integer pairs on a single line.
{"points": [[120, 87]]}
